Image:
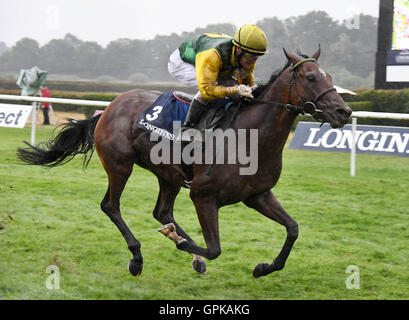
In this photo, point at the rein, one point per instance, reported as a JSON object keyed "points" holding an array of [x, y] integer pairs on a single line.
{"points": [[309, 106]]}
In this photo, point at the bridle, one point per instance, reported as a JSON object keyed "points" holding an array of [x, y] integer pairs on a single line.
{"points": [[306, 107]]}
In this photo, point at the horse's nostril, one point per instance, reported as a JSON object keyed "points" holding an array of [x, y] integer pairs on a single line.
{"points": [[345, 112]]}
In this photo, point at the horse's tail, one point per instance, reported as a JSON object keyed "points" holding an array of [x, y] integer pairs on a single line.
{"points": [[74, 137]]}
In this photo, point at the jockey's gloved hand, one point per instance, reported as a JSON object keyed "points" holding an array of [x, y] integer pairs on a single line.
{"points": [[245, 91]]}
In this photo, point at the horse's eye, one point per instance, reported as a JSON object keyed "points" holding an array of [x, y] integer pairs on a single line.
{"points": [[311, 78]]}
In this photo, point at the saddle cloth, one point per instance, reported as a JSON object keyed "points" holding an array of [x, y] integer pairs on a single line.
{"points": [[168, 108]]}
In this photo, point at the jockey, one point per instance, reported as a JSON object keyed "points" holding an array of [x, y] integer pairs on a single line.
{"points": [[220, 66]]}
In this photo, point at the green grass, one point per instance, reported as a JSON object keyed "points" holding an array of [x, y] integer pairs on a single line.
{"points": [[52, 217]]}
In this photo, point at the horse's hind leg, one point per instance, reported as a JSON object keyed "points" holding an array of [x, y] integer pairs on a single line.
{"points": [[207, 212], [118, 176], [163, 212]]}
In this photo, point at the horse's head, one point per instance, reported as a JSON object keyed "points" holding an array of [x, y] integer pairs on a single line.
{"points": [[312, 87]]}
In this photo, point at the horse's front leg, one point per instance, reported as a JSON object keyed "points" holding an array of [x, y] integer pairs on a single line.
{"points": [[267, 204]]}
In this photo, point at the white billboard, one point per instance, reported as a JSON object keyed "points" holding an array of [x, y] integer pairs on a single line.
{"points": [[14, 115]]}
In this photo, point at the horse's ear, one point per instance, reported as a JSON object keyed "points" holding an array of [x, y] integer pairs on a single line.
{"points": [[293, 58], [316, 55]]}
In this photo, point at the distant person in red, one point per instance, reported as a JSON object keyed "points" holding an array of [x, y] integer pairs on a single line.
{"points": [[45, 93]]}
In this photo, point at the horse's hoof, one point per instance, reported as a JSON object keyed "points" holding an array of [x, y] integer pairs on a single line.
{"points": [[167, 228], [135, 268], [199, 266], [262, 269]]}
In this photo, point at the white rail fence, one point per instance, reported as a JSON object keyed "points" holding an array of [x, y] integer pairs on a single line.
{"points": [[35, 100], [55, 100], [367, 114], [355, 115]]}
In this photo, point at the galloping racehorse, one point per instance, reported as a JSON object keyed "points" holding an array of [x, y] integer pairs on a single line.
{"points": [[301, 86]]}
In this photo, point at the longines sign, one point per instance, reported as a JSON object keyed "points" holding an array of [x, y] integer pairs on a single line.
{"points": [[369, 139]]}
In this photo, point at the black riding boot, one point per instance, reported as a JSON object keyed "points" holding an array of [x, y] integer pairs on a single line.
{"points": [[195, 113]]}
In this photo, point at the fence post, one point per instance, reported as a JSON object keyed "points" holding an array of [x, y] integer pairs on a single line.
{"points": [[353, 148], [33, 123]]}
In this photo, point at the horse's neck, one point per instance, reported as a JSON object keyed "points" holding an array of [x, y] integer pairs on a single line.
{"points": [[279, 90], [275, 122]]}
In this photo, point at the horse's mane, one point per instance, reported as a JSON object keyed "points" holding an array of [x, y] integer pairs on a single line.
{"points": [[262, 87]]}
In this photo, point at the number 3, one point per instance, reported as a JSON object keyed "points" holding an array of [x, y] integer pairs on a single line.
{"points": [[154, 115]]}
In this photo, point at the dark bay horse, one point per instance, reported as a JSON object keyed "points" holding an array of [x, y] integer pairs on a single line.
{"points": [[300, 86]]}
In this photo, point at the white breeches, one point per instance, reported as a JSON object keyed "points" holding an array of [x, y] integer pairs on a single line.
{"points": [[181, 70]]}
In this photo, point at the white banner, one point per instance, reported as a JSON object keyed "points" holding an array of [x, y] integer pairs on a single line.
{"points": [[369, 139], [14, 115]]}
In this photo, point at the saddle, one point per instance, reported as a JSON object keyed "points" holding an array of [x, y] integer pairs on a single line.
{"points": [[173, 106], [215, 113], [216, 117]]}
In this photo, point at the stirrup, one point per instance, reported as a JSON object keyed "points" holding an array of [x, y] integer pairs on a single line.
{"points": [[189, 135]]}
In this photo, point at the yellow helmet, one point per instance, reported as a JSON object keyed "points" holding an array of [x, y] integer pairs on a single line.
{"points": [[251, 38]]}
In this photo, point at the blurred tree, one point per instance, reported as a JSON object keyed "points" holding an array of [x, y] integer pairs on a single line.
{"points": [[23, 55], [315, 28], [277, 39], [88, 54], [58, 56], [3, 47], [349, 52], [139, 78], [225, 28], [122, 57], [356, 48]]}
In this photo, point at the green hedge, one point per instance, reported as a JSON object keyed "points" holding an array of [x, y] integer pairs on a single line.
{"points": [[88, 111], [388, 101], [360, 105], [96, 91], [88, 86], [395, 101]]}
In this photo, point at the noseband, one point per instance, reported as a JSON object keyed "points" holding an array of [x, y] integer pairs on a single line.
{"points": [[307, 107]]}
